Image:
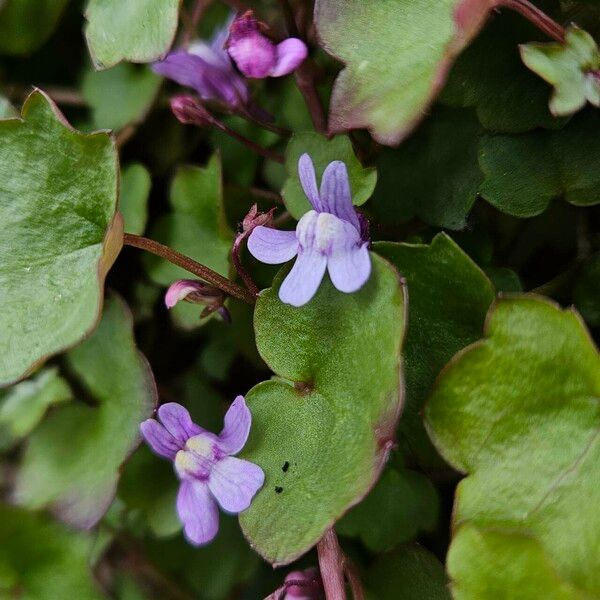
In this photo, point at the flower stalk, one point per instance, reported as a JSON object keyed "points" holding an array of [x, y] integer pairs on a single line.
{"points": [[536, 16], [331, 563]]}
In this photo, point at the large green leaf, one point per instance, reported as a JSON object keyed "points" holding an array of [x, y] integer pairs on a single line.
{"points": [[523, 173], [140, 31], [41, 560], [397, 55], [323, 151], [72, 461], [26, 24], [449, 298], [520, 413], [322, 430], [60, 236]]}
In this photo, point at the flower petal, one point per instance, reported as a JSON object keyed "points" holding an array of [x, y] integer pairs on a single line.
{"points": [[335, 193], [349, 269], [181, 289], [303, 280], [159, 439], [308, 180], [197, 511], [237, 427], [272, 246], [290, 54], [178, 422], [234, 482]]}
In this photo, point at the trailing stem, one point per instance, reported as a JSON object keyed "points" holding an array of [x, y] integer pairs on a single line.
{"points": [[539, 18], [331, 563]]}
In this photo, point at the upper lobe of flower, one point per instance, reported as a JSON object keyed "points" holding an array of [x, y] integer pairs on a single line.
{"points": [[205, 464], [331, 237], [256, 56]]}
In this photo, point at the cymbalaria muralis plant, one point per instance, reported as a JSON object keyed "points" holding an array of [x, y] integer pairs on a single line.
{"points": [[372, 223]]}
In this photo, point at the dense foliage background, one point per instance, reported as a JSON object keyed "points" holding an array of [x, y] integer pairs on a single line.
{"points": [[481, 199]]}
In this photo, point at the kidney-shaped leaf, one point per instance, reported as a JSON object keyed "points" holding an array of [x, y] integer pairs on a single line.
{"points": [[58, 199], [72, 461], [397, 55], [322, 431], [520, 413]]}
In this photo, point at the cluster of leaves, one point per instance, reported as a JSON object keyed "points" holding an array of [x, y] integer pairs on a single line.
{"points": [[452, 393]]}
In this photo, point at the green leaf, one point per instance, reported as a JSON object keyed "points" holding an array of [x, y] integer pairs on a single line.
{"points": [[519, 412], [489, 76], [449, 298], [409, 573], [140, 31], [333, 428], [26, 24], [434, 175], [133, 203], [571, 68], [524, 173], [42, 560], [119, 96], [401, 504], [72, 461], [397, 54], [323, 151], [488, 564], [24, 405], [60, 235]]}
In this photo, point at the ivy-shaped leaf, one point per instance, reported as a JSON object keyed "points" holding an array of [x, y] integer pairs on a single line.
{"points": [[133, 202], [322, 430], [449, 299], [140, 31], [572, 68], [524, 173], [72, 461], [60, 235], [397, 54], [323, 151], [43, 560], [519, 412]]}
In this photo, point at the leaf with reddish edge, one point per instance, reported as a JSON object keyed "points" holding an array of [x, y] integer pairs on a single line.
{"points": [[60, 235], [397, 56], [331, 413]]}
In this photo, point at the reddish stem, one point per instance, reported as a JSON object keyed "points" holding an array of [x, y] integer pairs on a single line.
{"points": [[266, 152], [237, 263], [331, 563], [539, 18]]}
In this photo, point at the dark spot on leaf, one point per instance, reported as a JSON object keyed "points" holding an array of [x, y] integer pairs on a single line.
{"points": [[278, 490], [286, 466]]}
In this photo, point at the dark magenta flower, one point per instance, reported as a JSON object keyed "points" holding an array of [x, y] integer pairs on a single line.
{"points": [[332, 237], [303, 585], [256, 56], [205, 465]]}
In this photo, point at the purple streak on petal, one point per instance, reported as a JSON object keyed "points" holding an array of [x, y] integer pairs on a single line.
{"points": [[178, 422], [308, 180], [272, 246], [159, 439], [197, 511], [290, 54], [303, 280], [335, 193], [234, 482], [180, 289], [237, 427], [349, 269]]}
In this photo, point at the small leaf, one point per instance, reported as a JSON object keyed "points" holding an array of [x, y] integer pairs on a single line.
{"points": [[23, 406], [573, 68], [397, 55], [140, 31], [133, 203], [43, 560], [323, 151], [60, 234], [334, 428], [519, 413], [119, 96], [72, 461]]}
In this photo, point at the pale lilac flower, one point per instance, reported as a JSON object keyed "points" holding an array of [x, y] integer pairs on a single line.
{"points": [[198, 292], [256, 56], [332, 237], [303, 585], [205, 465]]}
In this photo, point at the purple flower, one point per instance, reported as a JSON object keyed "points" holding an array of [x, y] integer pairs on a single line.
{"points": [[332, 237], [205, 465], [198, 292], [207, 68], [256, 56], [303, 585]]}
